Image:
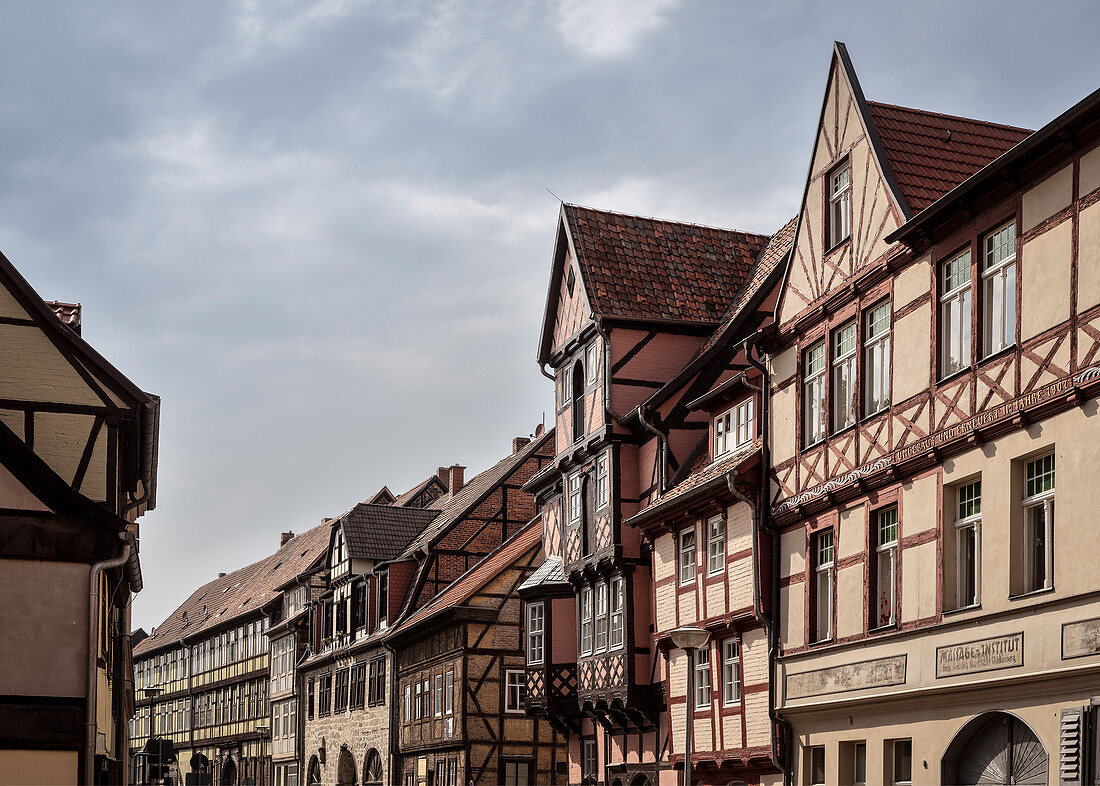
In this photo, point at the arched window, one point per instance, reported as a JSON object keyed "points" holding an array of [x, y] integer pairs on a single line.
{"points": [[372, 769], [313, 776], [578, 400], [345, 768], [995, 748]]}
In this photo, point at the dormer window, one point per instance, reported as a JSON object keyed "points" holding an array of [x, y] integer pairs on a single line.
{"points": [[734, 428], [840, 204]]}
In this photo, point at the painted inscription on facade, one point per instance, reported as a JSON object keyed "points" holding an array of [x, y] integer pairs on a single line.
{"points": [[1081, 638], [852, 676], [1001, 652]]}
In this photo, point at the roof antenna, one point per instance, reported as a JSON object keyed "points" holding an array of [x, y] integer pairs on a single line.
{"points": [[551, 193]]}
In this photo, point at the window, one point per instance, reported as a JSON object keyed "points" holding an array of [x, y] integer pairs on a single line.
{"points": [[902, 755], [575, 499], [618, 628], [955, 314], [578, 401], [586, 621], [515, 691], [1039, 524], [324, 699], [886, 564], [383, 597], [687, 556], [813, 394], [716, 545], [731, 672], [439, 695], [342, 690], [823, 585], [601, 482], [734, 428], [358, 686], [450, 772], [840, 201], [408, 703], [536, 624], [968, 544], [418, 701], [845, 342], [876, 359], [591, 363], [377, 682], [449, 694], [589, 763], [999, 289], [311, 688], [859, 763], [517, 773], [816, 766], [601, 617], [702, 678]]}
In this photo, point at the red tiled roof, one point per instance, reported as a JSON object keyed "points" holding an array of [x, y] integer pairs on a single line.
{"points": [[68, 313], [466, 586], [648, 268], [412, 496], [931, 153]]}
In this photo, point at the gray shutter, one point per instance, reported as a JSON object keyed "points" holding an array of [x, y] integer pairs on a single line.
{"points": [[1071, 746]]}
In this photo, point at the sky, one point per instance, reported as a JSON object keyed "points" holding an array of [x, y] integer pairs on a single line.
{"points": [[321, 230]]}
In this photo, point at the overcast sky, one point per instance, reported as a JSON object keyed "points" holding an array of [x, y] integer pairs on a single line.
{"points": [[321, 231]]}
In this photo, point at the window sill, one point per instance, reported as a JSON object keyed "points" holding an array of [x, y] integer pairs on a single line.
{"points": [[839, 244], [840, 432], [515, 712], [814, 445], [961, 609], [875, 414], [883, 628], [998, 354], [819, 642], [1031, 594], [954, 375]]}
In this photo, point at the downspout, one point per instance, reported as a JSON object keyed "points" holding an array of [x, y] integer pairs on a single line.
{"points": [[95, 575], [772, 624], [662, 442]]}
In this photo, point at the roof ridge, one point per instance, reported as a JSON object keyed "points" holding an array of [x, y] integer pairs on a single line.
{"points": [[665, 220], [950, 117]]}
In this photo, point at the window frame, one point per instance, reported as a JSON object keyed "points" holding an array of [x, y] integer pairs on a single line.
{"points": [[877, 345], [822, 607], [701, 682], [520, 688], [815, 401], [1003, 269], [603, 486], [586, 622], [845, 351], [887, 550], [602, 620], [731, 672], [683, 551], [838, 201], [617, 602], [576, 499], [716, 546], [968, 522], [1039, 499], [536, 642], [963, 295], [895, 758]]}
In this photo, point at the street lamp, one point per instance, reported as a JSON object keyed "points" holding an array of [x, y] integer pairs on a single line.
{"points": [[689, 639]]}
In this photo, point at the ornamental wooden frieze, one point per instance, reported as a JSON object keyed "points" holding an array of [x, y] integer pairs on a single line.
{"points": [[954, 434]]}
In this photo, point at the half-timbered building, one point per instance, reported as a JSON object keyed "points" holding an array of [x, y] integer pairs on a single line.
{"points": [[78, 466], [203, 675], [933, 380]]}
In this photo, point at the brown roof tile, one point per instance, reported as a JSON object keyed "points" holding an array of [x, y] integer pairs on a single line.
{"points": [[648, 268], [931, 153], [381, 532]]}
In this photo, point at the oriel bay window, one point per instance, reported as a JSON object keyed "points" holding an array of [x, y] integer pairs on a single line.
{"points": [[876, 359], [845, 342], [734, 428], [823, 585], [884, 604], [601, 482], [955, 314], [702, 678], [731, 672], [586, 621], [813, 394], [601, 617], [1039, 524], [968, 544], [999, 289], [618, 627], [536, 625]]}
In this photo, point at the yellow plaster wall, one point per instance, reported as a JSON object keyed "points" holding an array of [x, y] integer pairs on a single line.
{"points": [[911, 283], [1045, 275], [911, 354], [1088, 255], [781, 413], [38, 768], [1048, 197]]}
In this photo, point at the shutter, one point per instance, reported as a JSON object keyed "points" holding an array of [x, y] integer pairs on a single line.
{"points": [[1071, 746]]}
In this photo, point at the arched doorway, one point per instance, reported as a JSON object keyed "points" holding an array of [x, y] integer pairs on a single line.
{"points": [[345, 768], [313, 775], [639, 779], [995, 748], [372, 769], [229, 773]]}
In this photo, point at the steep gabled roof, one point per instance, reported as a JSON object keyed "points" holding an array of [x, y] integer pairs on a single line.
{"points": [[411, 496], [381, 532], [462, 589], [453, 507], [931, 153], [650, 268], [241, 592], [382, 497]]}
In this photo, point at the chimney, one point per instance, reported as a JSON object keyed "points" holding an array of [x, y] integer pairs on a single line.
{"points": [[285, 537], [454, 482], [221, 575], [519, 443], [444, 476]]}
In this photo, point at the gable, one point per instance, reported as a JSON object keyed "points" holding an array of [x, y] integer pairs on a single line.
{"points": [[572, 311], [844, 134]]}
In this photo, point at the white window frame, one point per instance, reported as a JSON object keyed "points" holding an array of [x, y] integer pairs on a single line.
{"points": [[968, 525], [686, 542], [701, 682], [845, 349], [887, 526], [744, 422], [840, 204], [618, 614], [955, 305], [601, 617], [1039, 496], [999, 288], [824, 560], [449, 693], [723, 428], [731, 672], [576, 499], [602, 485], [515, 690], [876, 358], [591, 363], [536, 630], [716, 545], [813, 394], [438, 702], [586, 620]]}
